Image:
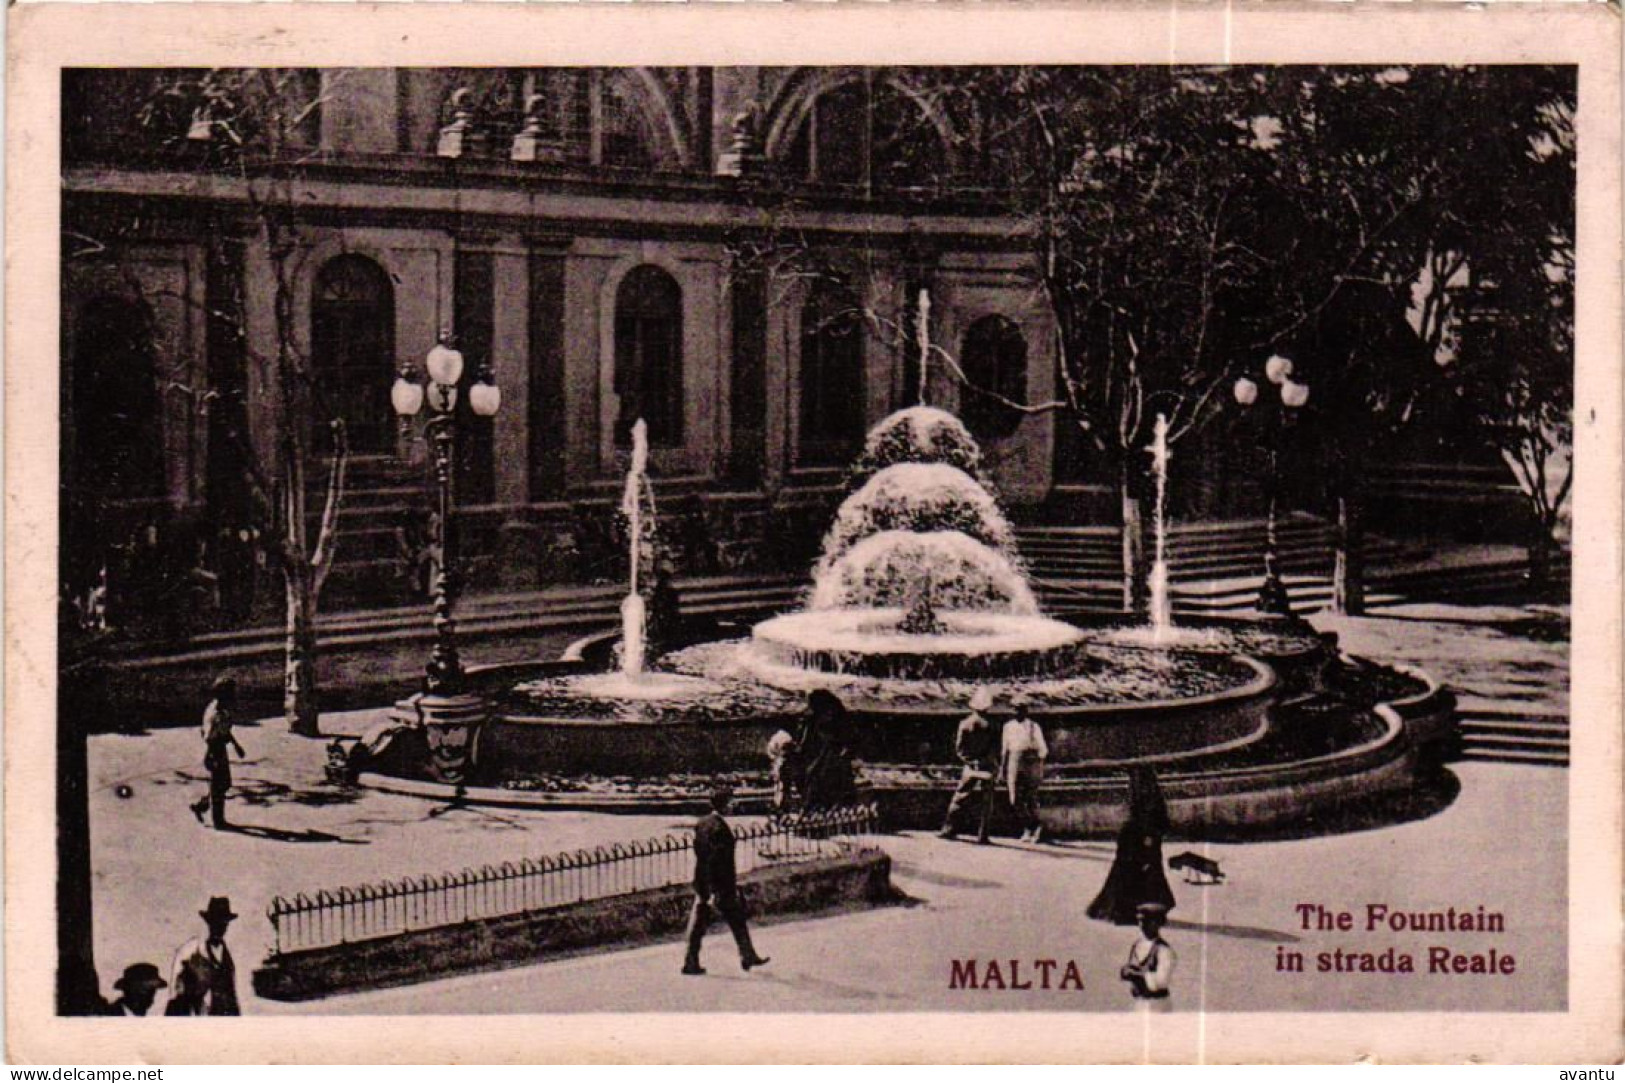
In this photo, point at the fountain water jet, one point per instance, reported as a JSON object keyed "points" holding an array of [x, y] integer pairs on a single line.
{"points": [[633, 682], [957, 572], [1162, 606], [923, 331], [634, 620], [918, 497]]}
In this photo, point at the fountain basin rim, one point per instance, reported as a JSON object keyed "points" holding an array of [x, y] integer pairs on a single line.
{"points": [[1308, 769], [1097, 621], [842, 622], [1263, 684], [748, 801]]}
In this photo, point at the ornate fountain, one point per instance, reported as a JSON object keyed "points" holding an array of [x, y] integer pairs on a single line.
{"points": [[919, 601]]}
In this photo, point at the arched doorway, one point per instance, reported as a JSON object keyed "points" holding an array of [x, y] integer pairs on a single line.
{"points": [[117, 433], [994, 358], [113, 476], [352, 344], [830, 381], [649, 356]]}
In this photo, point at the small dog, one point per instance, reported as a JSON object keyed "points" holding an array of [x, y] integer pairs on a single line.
{"points": [[1198, 869]]}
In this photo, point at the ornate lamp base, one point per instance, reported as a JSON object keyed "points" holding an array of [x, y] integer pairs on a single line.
{"points": [[451, 727]]}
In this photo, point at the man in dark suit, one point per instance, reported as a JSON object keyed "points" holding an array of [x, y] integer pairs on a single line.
{"points": [[716, 885], [204, 980]]}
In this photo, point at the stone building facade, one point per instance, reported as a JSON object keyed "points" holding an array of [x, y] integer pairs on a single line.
{"points": [[734, 254]]}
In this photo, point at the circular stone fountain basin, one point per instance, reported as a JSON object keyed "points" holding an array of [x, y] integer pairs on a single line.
{"points": [[1299, 655], [970, 645]]}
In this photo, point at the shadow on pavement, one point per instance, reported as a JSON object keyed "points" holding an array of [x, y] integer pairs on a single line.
{"points": [[264, 793], [940, 879], [817, 985], [278, 834], [1238, 932]]}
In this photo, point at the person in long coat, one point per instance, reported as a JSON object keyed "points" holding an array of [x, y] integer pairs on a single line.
{"points": [[824, 754], [1136, 874], [716, 886]]}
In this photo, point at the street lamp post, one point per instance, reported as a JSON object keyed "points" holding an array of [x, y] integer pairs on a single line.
{"points": [[449, 715], [1282, 408]]}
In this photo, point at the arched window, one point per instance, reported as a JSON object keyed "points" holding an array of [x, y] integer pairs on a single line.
{"points": [[625, 136], [868, 133], [649, 356], [352, 341], [831, 379], [117, 432], [994, 357]]}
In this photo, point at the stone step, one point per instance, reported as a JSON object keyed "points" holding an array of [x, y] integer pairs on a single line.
{"points": [[1517, 742], [1533, 759], [469, 630], [709, 594], [1497, 713], [1478, 732], [1177, 542]]}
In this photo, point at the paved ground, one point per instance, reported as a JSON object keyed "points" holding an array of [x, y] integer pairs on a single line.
{"points": [[1500, 660], [1500, 844]]}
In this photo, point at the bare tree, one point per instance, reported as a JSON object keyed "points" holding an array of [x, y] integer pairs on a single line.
{"points": [[249, 125]]}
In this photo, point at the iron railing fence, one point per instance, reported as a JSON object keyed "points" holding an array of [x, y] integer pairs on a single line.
{"points": [[351, 914]]}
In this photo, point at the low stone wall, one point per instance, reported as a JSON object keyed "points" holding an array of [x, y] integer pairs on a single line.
{"points": [[863, 877], [1430, 716], [530, 747], [524, 745], [1217, 801]]}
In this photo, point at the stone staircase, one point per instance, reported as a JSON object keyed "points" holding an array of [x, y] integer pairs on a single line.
{"points": [[482, 618], [1487, 735], [1214, 567], [382, 494]]}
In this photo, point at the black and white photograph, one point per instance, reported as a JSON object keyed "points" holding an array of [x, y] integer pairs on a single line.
{"points": [[831, 539]]}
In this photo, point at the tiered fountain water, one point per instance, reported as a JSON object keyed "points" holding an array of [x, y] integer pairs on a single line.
{"points": [[919, 600]]}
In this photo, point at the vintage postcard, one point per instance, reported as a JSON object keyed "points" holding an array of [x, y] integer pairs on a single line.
{"points": [[1002, 534]]}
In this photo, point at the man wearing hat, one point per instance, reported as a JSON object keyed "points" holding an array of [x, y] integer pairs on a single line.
{"points": [[978, 750], [205, 975], [138, 988], [1150, 967], [1024, 751], [715, 883]]}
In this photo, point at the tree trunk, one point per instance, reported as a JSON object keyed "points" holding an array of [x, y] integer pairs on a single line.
{"points": [[1348, 570], [299, 676], [1136, 551], [1541, 550], [77, 990]]}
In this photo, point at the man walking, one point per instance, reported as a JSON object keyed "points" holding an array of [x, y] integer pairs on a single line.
{"points": [[204, 980], [218, 740], [1024, 753], [715, 883], [978, 752]]}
